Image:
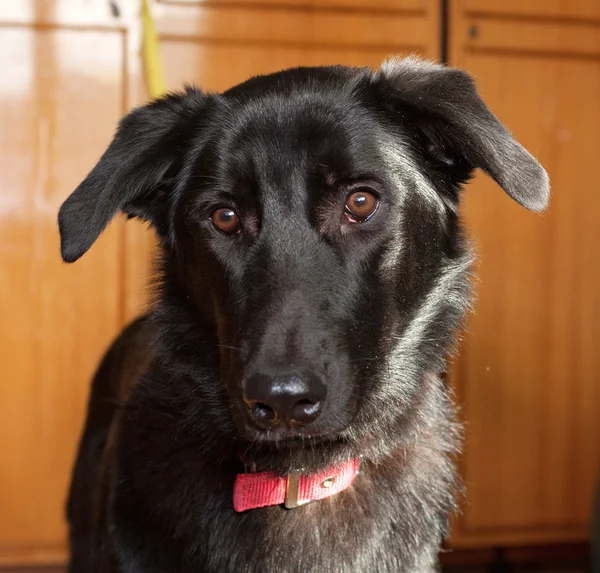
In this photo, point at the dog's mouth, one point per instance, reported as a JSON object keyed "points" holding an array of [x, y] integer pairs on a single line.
{"points": [[291, 438]]}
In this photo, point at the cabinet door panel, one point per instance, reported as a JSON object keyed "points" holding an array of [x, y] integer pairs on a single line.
{"points": [[387, 5], [58, 112], [203, 64], [553, 9], [527, 375], [281, 28]]}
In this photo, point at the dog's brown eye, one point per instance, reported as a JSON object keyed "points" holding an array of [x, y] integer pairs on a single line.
{"points": [[226, 220], [360, 205]]}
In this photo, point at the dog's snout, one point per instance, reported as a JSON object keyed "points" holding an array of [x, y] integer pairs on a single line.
{"points": [[292, 400]]}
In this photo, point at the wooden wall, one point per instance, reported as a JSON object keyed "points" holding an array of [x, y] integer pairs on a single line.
{"points": [[527, 377]]}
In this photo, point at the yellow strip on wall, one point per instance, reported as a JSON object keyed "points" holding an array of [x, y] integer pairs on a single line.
{"points": [[153, 70]]}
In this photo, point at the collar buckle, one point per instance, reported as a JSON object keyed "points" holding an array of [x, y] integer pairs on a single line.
{"points": [[292, 491]]}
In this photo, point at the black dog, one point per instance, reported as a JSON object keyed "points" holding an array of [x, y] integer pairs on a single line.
{"points": [[312, 277]]}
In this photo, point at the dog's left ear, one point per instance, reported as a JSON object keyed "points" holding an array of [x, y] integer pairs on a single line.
{"points": [[442, 103], [134, 174]]}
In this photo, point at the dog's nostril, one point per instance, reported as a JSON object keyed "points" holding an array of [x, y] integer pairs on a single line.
{"points": [[305, 411], [263, 413]]}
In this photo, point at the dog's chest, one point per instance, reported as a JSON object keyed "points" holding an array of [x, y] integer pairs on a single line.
{"points": [[361, 530]]}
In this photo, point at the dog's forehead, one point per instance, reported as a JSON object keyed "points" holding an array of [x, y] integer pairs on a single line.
{"points": [[302, 102], [280, 133], [299, 118]]}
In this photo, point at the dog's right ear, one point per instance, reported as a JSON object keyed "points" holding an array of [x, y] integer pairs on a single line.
{"points": [[133, 173], [441, 109]]}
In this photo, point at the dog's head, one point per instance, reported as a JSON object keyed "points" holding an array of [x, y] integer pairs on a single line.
{"points": [[309, 217]]}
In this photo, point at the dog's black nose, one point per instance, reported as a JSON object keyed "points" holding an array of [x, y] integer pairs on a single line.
{"points": [[291, 399]]}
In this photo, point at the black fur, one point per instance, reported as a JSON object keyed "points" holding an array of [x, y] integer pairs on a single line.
{"points": [[372, 307]]}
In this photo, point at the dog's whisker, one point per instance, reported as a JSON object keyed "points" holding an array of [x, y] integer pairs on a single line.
{"points": [[229, 347]]}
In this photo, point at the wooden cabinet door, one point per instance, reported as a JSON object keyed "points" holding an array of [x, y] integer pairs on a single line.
{"points": [[565, 11], [220, 45], [528, 373], [369, 5], [70, 70], [65, 85]]}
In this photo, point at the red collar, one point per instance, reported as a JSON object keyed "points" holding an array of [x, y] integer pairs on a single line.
{"points": [[267, 488]]}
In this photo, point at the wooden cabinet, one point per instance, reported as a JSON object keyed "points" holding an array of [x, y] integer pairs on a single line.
{"points": [[404, 6], [559, 11], [71, 69], [527, 376], [528, 373], [220, 45], [66, 82]]}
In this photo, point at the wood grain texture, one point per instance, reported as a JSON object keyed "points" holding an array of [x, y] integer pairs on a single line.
{"points": [[527, 376], [545, 39], [280, 27], [371, 5], [66, 83], [564, 10], [51, 335]]}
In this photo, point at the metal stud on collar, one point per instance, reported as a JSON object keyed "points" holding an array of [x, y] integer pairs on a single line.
{"points": [[328, 482]]}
